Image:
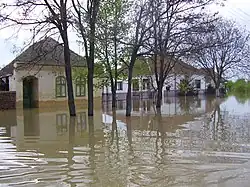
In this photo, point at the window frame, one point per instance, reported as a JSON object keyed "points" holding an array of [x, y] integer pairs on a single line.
{"points": [[119, 85], [81, 84], [59, 83], [195, 82], [145, 84]]}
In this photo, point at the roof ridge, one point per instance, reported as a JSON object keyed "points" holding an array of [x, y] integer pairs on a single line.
{"points": [[46, 51]]}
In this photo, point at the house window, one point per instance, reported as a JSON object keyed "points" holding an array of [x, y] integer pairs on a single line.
{"points": [[119, 85], [197, 84], [60, 86], [145, 84], [61, 124], [81, 122], [80, 87]]}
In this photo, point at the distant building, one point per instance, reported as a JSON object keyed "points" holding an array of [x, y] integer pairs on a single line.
{"points": [[144, 85], [38, 76]]}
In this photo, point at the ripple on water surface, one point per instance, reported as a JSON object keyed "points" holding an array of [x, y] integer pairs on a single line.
{"points": [[207, 145]]}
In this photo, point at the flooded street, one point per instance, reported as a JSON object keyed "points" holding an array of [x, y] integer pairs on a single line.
{"points": [[194, 142]]}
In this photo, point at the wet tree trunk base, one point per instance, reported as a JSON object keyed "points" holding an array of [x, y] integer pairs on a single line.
{"points": [[129, 95], [217, 92]]}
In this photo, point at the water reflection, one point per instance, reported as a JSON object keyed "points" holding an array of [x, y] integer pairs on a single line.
{"points": [[170, 106], [194, 142]]}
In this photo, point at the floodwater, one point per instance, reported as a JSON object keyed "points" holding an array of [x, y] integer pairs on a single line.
{"points": [[194, 142]]}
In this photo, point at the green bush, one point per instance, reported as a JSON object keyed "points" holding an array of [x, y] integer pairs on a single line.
{"points": [[240, 88]]}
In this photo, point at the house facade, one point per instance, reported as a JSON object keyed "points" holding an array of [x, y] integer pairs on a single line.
{"points": [[37, 76], [144, 86]]}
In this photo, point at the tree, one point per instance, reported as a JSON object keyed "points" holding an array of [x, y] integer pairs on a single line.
{"points": [[227, 54], [85, 24], [53, 19], [112, 28], [138, 36], [99, 75], [168, 43], [185, 87]]}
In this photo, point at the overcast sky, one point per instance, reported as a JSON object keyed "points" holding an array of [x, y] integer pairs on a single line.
{"points": [[239, 10]]}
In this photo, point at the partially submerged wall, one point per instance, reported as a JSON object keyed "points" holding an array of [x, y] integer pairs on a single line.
{"points": [[7, 100]]}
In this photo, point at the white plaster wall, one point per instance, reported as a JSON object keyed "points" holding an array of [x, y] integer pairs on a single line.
{"points": [[12, 83], [107, 89], [46, 83], [171, 80], [202, 78]]}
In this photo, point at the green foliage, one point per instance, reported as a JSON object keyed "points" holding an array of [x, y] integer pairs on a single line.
{"points": [[229, 85], [141, 68], [79, 72], [239, 87], [185, 86], [99, 75], [112, 28], [242, 97]]}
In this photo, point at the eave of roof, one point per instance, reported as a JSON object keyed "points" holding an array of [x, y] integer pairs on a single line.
{"points": [[47, 52]]}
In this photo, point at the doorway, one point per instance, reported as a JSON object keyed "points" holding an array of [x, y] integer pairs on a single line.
{"points": [[30, 92]]}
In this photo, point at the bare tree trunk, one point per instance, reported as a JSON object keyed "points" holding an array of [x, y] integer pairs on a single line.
{"points": [[71, 140], [217, 92], [159, 96], [113, 90], [68, 71], [91, 71], [130, 75], [129, 133], [92, 11], [129, 95]]}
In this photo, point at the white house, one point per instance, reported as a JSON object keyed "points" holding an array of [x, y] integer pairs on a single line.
{"points": [[37, 76], [143, 86]]}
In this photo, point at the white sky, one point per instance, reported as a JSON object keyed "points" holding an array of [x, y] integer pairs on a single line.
{"points": [[238, 10]]}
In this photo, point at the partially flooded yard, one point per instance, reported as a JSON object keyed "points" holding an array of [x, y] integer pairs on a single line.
{"points": [[194, 142]]}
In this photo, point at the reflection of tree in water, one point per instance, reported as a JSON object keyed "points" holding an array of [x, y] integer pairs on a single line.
{"points": [[115, 134], [218, 125], [160, 136], [146, 105], [189, 104], [216, 128], [91, 142], [242, 97], [227, 131], [71, 140], [162, 144]]}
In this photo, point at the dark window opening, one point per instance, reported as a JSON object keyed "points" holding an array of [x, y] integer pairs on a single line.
{"points": [[4, 84], [60, 86], [61, 124], [198, 84], [145, 84], [119, 85], [80, 87], [81, 122]]}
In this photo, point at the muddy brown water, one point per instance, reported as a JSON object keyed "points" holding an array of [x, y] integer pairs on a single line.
{"points": [[194, 142]]}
